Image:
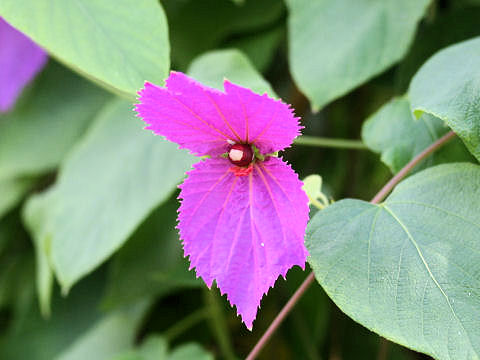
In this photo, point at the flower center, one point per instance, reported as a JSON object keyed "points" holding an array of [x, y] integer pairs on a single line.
{"points": [[240, 154]]}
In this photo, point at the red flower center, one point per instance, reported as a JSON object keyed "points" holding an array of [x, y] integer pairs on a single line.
{"points": [[240, 154]]}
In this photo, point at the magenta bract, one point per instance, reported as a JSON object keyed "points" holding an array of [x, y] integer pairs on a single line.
{"points": [[20, 60], [242, 226]]}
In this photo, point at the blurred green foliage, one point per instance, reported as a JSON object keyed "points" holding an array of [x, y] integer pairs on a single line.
{"points": [[91, 266]]}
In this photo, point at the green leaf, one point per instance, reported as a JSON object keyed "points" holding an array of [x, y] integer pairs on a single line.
{"points": [[457, 100], [156, 348], [312, 185], [162, 268], [260, 48], [111, 335], [16, 267], [446, 29], [47, 122], [336, 45], [41, 339], [213, 67], [44, 125], [115, 43], [408, 268], [199, 26], [36, 220], [12, 191], [393, 132], [107, 186], [189, 351]]}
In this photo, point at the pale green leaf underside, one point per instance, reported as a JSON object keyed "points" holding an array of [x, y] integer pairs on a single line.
{"points": [[118, 44], [213, 67], [448, 86], [408, 269], [107, 186], [336, 45]]}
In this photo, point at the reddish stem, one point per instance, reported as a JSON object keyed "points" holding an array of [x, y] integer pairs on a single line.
{"points": [[309, 280], [406, 169], [281, 316]]}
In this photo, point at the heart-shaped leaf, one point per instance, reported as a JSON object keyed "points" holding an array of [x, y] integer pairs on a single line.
{"points": [[409, 268]]}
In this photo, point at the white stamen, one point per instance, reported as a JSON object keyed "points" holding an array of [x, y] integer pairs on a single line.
{"points": [[231, 142], [262, 244], [235, 155]]}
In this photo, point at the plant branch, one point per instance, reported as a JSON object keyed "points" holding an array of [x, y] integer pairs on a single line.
{"points": [[310, 278], [329, 142]]}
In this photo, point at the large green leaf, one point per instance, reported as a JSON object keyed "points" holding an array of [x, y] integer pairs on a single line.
{"points": [[213, 67], [393, 132], [199, 26], [409, 268], [336, 45], [107, 186], [457, 100], [44, 125], [118, 44]]}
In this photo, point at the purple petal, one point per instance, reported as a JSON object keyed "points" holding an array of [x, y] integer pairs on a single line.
{"points": [[205, 120], [267, 123], [243, 231], [20, 60], [186, 113]]}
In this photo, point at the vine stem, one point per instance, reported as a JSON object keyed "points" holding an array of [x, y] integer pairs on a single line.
{"points": [[310, 278], [406, 169], [329, 142]]}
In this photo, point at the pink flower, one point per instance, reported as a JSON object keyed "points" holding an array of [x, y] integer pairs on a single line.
{"points": [[243, 213], [20, 60]]}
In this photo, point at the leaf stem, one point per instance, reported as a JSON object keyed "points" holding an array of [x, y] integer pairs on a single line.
{"points": [[310, 278], [281, 316], [329, 142], [406, 169], [186, 323]]}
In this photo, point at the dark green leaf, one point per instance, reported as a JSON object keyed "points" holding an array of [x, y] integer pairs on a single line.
{"points": [[111, 335], [151, 263], [156, 348], [12, 191], [199, 26], [446, 29]]}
